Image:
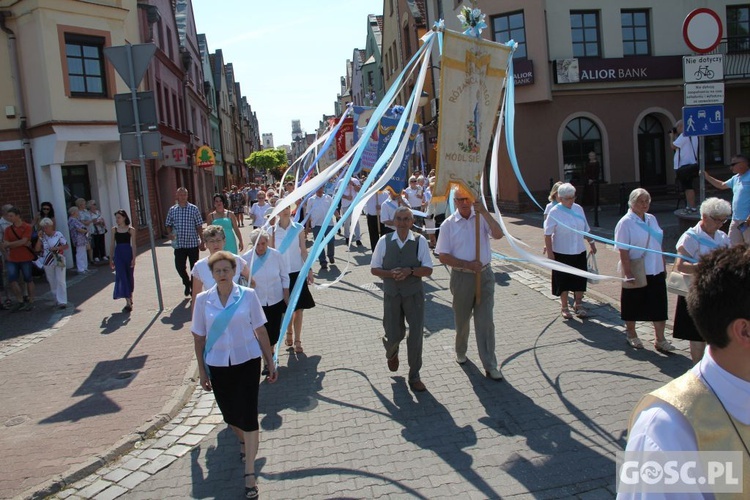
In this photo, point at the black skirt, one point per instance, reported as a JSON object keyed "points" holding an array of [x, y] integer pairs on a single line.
{"points": [[684, 327], [566, 282], [645, 304], [305, 300], [236, 392]]}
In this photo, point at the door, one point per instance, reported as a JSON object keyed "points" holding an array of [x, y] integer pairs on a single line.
{"points": [[76, 183], [651, 158]]}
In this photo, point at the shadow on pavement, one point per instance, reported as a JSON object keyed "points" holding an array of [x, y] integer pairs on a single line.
{"points": [[297, 388], [224, 474], [179, 316], [114, 322], [109, 375]]}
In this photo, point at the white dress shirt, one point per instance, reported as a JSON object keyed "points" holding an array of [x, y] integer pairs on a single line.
{"points": [[423, 249], [412, 197], [564, 240], [388, 211], [258, 212], [693, 246], [661, 427], [238, 342], [628, 231], [374, 201], [317, 207], [272, 277], [293, 254], [457, 238], [203, 272]]}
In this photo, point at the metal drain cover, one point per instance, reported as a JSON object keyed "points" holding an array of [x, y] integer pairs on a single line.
{"points": [[12, 422]]}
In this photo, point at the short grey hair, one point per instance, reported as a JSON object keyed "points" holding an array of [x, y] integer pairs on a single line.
{"points": [[81, 200], [403, 209], [566, 190], [256, 234], [73, 210], [45, 222], [214, 230], [716, 207], [90, 202], [637, 193]]}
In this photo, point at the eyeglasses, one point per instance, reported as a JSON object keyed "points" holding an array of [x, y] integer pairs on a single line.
{"points": [[215, 240], [461, 200], [719, 220]]}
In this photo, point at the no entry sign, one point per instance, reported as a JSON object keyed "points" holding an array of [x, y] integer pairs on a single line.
{"points": [[702, 30]]}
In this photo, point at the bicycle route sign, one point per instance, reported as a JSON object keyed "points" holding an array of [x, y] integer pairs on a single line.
{"points": [[706, 68]]}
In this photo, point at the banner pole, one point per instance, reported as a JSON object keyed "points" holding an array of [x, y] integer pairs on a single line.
{"points": [[478, 278]]}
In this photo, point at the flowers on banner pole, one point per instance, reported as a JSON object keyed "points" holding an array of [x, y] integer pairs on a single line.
{"points": [[472, 20]]}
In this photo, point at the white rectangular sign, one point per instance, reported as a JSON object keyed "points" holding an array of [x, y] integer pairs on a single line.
{"points": [[697, 94], [705, 68]]}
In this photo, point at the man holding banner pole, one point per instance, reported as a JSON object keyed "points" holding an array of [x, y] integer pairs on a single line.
{"points": [[469, 261]]}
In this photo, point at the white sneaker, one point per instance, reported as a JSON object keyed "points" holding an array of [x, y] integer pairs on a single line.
{"points": [[96, 260]]}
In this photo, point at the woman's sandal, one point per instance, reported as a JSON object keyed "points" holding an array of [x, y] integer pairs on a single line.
{"points": [[289, 340], [635, 342], [251, 491], [580, 311], [565, 312], [298, 347]]}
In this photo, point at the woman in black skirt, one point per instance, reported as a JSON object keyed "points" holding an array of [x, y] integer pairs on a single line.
{"points": [[640, 229], [696, 241], [229, 341], [566, 245], [288, 237]]}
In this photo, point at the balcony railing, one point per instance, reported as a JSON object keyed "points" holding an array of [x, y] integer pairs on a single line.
{"points": [[736, 52]]}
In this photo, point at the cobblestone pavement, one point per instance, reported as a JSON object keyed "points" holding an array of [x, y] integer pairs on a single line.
{"points": [[338, 424]]}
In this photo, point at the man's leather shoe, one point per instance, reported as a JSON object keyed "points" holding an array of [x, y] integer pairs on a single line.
{"points": [[460, 358], [393, 363], [417, 386], [494, 374]]}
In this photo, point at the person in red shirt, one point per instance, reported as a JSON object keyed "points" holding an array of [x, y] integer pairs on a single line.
{"points": [[19, 256]]}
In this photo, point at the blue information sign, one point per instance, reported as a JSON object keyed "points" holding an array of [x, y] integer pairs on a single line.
{"points": [[703, 120]]}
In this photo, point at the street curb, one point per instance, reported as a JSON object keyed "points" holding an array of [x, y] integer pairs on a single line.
{"points": [[170, 409]]}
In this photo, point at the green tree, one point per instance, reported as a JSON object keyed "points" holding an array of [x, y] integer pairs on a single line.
{"points": [[270, 161]]}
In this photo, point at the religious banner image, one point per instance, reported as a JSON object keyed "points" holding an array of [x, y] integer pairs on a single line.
{"points": [[387, 127], [473, 71], [362, 117]]}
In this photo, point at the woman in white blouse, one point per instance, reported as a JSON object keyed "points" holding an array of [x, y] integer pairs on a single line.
{"points": [[229, 341], [696, 241], [640, 229], [214, 238], [271, 280], [288, 237], [566, 246]]}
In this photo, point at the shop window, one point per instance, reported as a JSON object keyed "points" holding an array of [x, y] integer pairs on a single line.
{"points": [[635, 33], [511, 27], [584, 30], [85, 65], [714, 146], [581, 136]]}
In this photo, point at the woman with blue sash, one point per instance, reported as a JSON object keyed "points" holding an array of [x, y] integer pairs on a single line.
{"points": [[700, 239], [563, 243], [271, 277], [229, 341], [288, 237], [642, 236]]}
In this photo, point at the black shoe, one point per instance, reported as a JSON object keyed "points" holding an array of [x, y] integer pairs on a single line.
{"points": [[359, 243], [332, 260], [188, 292], [324, 267]]}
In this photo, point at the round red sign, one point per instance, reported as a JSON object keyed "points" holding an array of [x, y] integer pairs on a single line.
{"points": [[702, 30]]}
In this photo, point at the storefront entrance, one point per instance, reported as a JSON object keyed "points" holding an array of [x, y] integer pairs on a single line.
{"points": [[651, 157]]}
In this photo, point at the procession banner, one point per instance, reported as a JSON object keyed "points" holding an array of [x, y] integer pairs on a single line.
{"points": [[472, 75], [344, 137], [387, 126], [362, 117]]}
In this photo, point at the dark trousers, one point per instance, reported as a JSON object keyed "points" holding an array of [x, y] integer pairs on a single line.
{"points": [[329, 249], [181, 256], [97, 246], [373, 229]]}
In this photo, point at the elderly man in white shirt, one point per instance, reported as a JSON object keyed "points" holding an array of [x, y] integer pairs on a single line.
{"points": [[707, 408], [317, 208], [402, 259], [456, 247], [388, 210]]}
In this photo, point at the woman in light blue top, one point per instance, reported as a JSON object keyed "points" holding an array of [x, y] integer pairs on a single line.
{"points": [[228, 221]]}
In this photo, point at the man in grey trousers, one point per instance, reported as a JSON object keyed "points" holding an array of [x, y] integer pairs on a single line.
{"points": [[402, 259], [457, 249]]}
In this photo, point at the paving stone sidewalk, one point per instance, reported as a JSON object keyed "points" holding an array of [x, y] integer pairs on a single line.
{"points": [[338, 424]]}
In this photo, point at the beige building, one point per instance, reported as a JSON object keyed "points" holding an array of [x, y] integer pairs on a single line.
{"points": [[51, 68], [606, 77]]}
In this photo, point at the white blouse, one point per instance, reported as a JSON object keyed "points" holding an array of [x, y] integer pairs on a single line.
{"points": [[694, 248], [237, 343], [203, 272], [293, 254], [564, 240], [271, 278], [628, 231]]}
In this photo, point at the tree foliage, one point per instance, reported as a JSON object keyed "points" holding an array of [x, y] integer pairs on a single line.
{"points": [[270, 161]]}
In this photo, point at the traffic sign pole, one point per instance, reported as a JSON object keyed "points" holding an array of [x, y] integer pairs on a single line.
{"points": [[142, 159]]}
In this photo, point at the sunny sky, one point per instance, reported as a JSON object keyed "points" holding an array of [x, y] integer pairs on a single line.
{"points": [[288, 55]]}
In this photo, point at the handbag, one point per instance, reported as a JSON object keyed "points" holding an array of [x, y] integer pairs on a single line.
{"points": [[592, 267], [678, 283], [637, 269]]}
